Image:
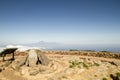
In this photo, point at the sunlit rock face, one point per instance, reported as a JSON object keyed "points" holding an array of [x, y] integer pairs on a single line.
{"points": [[32, 57]]}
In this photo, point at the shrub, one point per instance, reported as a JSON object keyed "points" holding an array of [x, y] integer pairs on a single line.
{"points": [[85, 65], [64, 77], [95, 75], [73, 50], [74, 64], [115, 76], [104, 78], [118, 74], [96, 64]]}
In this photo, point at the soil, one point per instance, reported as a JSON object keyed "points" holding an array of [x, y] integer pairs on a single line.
{"points": [[63, 67]]}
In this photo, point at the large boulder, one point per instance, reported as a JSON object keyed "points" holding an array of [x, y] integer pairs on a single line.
{"points": [[32, 58], [42, 59]]}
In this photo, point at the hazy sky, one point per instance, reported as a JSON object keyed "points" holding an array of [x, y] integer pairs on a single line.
{"points": [[65, 21]]}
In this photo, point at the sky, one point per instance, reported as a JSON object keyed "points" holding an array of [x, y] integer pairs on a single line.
{"points": [[63, 21]]}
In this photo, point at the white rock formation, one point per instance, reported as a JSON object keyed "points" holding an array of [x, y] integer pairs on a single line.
{"points": [[32, 58]]}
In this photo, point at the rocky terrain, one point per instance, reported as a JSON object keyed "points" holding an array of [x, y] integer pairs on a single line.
{"points": [[61, 65]]}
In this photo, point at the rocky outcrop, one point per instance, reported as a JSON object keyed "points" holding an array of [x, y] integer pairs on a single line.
{"points": [[34, 57]]}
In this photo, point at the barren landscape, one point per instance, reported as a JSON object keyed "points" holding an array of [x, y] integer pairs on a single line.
{"points": [[63, 65], [59, 39]]}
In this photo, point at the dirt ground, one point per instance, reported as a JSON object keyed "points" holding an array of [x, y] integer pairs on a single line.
{"points": [[63, 67]]}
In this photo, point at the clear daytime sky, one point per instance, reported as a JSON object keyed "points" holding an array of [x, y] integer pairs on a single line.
{"points": [[64, 21]]}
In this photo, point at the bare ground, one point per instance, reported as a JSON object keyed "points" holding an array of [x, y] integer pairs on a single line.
{"points": [[66, 67]]}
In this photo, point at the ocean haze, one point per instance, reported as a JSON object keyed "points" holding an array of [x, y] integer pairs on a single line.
{"points": [[61, 46]]}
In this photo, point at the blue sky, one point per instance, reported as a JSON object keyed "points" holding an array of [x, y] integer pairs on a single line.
{"points": [[64, 21]]}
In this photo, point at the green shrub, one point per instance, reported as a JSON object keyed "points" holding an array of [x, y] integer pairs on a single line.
{"points": [[74, 64], [64, 77], [85, 65], [104, 78], [96, 64], [118, 74], [95, 75]]}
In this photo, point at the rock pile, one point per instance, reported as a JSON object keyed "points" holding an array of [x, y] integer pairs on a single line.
{"points": [[33, 58]]}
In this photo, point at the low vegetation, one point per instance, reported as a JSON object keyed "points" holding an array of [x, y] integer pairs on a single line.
{"points": [[77, 64], [118, 74], [104, 78], [115, 76], [96, 64], [73, 50], [85, 65], [74, 64]]}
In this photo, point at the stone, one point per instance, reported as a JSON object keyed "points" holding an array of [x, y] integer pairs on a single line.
{"points": [[24, 71], [42, 58], [69, 71], [22, 61], [15, 66], [32, 58], [18, 63], [80, 71], [34, 71], [7, 63]]}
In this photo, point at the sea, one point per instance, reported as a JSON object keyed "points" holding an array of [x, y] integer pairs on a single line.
{"points": [[95, 48], [109, 48]]}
